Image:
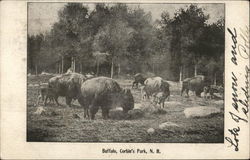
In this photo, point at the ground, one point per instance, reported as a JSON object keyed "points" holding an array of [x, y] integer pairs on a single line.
{"points": [[64, 124]]}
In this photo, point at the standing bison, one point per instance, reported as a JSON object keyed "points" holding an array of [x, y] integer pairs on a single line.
{"points": [[66, 85], [105, 93], [195, 84], [45, 93], [139, 78], [158, 88]]}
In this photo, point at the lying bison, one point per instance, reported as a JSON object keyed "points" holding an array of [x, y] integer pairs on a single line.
{"points": [[105, 93], [158, 88], [195, 84], [139, 78], [66, 85]]}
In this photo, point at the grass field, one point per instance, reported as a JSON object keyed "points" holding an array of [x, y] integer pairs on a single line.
{"points": [[63, 124]]}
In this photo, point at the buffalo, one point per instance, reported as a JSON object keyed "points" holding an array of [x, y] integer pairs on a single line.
{"points": [[215, 90], [158, 88], [195, 84], [66, 85], [139, 78], [105, 93]]}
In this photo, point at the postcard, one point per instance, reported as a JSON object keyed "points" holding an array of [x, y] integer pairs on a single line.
{"points": [[124, 79]]}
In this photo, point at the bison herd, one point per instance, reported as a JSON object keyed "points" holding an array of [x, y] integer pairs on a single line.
{"points": [[93, 93]]}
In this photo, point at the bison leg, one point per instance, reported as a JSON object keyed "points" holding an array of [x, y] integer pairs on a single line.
{"points": [[56, 99], [133, 85], [182, 90], [105, 112], [45, 101], [93, 111], [84, 106], [50, 100], [86, 112], [187, 90], [53, 100], [68, 101], [38, 100], [163, 104]]}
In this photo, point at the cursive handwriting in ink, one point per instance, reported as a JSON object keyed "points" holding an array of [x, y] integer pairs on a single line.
{"points": [[241, 105], [235, 141], [233, 51], [234, 94], [245, 90], [237, 118], [244, 49]]}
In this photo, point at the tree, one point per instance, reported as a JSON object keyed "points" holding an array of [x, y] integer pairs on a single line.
{"points": [[213, 52], [71, 36], [34, 49], [184, 31], [113, 39], [100, 58], [141, 43]]}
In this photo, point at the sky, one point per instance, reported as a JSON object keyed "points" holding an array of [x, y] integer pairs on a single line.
{"points": [[42, 16]]}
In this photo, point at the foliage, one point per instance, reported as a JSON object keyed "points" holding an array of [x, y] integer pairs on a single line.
{"points": [[131, 41]]}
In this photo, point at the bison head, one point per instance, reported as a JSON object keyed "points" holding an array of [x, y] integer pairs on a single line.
{"points": [[127, 100], [74, 85]]}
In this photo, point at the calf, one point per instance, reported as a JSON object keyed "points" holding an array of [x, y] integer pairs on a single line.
{"points": [[159, 98], [139, 78], [207, 92], [45, 93]]}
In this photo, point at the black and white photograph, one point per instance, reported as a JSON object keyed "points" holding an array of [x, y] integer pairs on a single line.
{"points": [[125, 72]]}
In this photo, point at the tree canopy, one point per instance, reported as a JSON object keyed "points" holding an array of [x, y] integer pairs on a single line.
{"points": [[115, 39]]}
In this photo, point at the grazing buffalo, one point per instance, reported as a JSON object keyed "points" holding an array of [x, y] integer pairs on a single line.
{"points": [[139, 78], [158, 88], [195, 84], [105, 93], [66, 85]]}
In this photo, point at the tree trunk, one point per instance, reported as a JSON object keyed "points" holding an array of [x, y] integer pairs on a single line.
{"points": [[36, 69], [59, 67], [112, 68], [153, 68], [195, 70], [215, 79], [62, 71], [180, 79], [97, 68], [81, 67], [119, 69], [74, 64]]}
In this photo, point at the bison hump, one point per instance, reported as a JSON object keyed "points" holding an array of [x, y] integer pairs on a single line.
{"points": [[100, 85]]}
